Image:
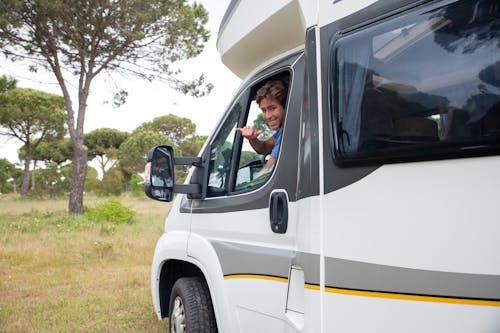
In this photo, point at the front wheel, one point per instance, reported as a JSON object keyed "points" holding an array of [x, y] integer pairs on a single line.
{"points": [[191, 307]]}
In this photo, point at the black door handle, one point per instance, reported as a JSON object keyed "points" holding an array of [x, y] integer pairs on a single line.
{"points": [[278, 212]]}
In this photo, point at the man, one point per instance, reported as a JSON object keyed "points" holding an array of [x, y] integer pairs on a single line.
{"points": [[271, 98]]}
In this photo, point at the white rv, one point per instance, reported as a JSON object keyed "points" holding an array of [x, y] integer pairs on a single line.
{"points": [[381, 213]]}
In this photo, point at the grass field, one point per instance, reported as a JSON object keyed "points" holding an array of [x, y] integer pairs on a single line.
{"points": [[61, 273]]}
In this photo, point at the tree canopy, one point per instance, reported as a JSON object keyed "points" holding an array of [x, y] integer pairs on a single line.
{"points": [[192, 146], [177, 129], [30, 116], [51, 149], [103, 144], [133, 152], [79, 39]]}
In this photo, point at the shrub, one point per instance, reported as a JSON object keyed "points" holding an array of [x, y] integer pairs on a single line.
{"points": [[111, 211], [136, 185]]}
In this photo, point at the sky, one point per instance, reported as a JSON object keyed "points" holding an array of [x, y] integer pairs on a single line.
{"points": [[146, 100]]}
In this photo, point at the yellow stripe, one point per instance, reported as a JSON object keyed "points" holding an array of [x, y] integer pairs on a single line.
{"points": [[405, 297], [311, 286], [435, 299], [260, 277]]}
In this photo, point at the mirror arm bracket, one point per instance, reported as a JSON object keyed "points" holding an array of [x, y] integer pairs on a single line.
{"points": [[187, 188], [196, 161]]}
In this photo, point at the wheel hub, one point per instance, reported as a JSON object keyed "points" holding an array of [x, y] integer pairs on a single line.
{"points": [[178, 318]]}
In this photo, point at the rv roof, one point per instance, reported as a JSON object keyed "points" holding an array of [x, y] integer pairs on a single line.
{"points": [[252, 32]]}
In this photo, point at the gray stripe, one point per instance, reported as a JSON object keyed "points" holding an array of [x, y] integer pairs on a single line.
{"points": [[310, 264], [357, 275], [346, 274], [248, 259]]}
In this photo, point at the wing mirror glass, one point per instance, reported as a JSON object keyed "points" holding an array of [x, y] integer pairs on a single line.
{"points": [[159, 175]]}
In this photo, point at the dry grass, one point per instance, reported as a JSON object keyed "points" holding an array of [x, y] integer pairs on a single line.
{"points": [[59, 273]]}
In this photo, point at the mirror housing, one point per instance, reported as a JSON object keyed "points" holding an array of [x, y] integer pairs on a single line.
{"points": [[159, 175]]}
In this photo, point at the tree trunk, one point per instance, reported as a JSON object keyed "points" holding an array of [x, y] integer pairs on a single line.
{"points": [[33, 177], [78, 179], [26, 177]]}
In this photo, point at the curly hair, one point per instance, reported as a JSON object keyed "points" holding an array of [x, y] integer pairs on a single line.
{"points": [[272, 89]]}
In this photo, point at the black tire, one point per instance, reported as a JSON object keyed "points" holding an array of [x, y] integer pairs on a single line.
{"points": [[191, 308]]}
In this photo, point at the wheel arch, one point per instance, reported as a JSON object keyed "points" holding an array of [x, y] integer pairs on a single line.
{"points": [[173, 260], [171, 271]]}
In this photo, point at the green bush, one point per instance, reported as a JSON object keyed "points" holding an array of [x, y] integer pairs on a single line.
{"points": [[111, 211], [136, 185]]}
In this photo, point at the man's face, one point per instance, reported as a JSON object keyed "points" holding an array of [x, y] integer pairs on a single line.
{"points": [[273, 112]]}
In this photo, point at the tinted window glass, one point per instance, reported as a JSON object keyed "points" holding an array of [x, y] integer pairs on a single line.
{"points": [[221, 154], [427, 82], [250, 173]]}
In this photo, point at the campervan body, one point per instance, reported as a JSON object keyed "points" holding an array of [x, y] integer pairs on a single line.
{"points": [[380, 213]]}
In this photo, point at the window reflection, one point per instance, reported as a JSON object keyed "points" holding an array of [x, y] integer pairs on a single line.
{"points": [[221, 154], [426, 78]]}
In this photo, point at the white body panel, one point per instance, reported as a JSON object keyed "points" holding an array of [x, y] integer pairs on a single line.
{"points": [[202, 253], [257, 303], [172, 245], [367, 314], [422, 215], [436, 216]]}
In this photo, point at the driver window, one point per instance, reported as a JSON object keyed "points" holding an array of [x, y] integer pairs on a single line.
{"points": [[245, 150], [250, 172]]}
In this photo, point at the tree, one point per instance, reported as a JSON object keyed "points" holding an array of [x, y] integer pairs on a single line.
{"points": [[248, 156], [31, 116], [113, 182], [52, 181], [92, 183], [6, 168], [7, 83], [8, 176], [176, 128], [133, 152], [103, 144], [192, 146], [53, 151], [83, 38]]}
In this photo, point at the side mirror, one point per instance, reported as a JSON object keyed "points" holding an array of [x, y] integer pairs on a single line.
{"points": [[159, 175]]}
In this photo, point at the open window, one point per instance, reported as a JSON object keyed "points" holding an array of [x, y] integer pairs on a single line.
{"points": [[424, 84], [234, 165]]}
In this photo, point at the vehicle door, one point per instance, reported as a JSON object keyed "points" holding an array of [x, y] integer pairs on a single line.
{"points": [[248, 216]]}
